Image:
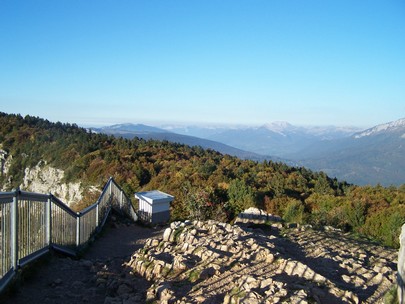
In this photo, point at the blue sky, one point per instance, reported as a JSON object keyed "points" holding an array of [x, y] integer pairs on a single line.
{"points": [[233, 62]]}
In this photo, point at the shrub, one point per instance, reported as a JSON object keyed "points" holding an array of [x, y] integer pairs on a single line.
{"points": [[240, 196], [355, 213], [294, 212], [385, 226]]}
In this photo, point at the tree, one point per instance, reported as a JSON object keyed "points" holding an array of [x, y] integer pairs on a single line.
{"points": [[202, 205], [322, 185], [240, 196]]}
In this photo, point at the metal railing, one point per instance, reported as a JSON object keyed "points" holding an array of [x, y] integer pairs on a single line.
{"points": [[31, 224]]}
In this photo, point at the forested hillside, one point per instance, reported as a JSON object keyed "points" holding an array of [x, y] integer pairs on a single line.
{"points": [[205, 183]]}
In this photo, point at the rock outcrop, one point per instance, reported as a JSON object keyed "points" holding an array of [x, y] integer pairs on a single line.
{"points": [[212, 262], [44, 179], [4, 165], [257, 216]]}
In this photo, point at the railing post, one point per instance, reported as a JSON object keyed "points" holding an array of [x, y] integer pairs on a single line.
{"points": [[14, 230], [48, 221], [78, 230], [97, 216], [121, 199]]}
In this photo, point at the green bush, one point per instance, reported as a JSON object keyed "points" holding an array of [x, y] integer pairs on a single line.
{"points": [[240, 196], [355, 213], [385, 225], [294, 212]]}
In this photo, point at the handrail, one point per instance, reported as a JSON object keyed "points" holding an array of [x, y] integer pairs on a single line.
{"points": [[62, 205], [33, 196], [88, 209], [5, 195], [31, 224]]}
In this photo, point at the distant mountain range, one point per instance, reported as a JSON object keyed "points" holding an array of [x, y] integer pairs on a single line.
{"points": [[278, 139], [375, 155], [148, 132]]}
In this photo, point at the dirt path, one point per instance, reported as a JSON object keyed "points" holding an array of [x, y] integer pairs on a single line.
{"points": [[98, 277]]}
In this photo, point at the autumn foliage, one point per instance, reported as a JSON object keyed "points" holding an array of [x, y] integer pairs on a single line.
{"points": [[205, 183]]}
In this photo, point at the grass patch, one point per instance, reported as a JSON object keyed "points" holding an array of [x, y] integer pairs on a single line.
{"points": [[160, 246], [236, 292], [177, 233], [391, 297], [143, 251], [194, 275], [165, 272]]}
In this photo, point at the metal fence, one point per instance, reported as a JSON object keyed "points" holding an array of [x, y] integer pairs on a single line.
{"points": [[31, 224]]}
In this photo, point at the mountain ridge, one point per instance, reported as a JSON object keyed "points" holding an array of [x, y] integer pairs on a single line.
{"points": [[393, 126], [370, 156], [128, 130]]}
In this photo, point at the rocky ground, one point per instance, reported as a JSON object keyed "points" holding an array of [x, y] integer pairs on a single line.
{"points": [[99, 276], [210, 262]]}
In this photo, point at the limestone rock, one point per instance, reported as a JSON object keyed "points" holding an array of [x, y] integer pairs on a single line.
{"points": [[219, 262], [44, 179], [256, 216], [167, 234]]}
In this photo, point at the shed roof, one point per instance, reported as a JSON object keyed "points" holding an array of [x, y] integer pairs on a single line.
{"points": [[154, 195]]}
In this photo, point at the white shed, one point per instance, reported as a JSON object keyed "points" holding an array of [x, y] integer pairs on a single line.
{"points": [[154, 206]]}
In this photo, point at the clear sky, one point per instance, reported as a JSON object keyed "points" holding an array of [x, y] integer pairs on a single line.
{"points": [[313, 62]]}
